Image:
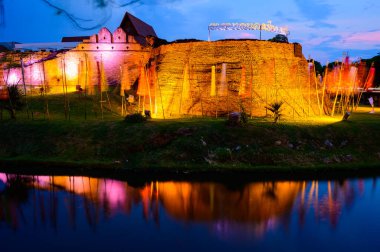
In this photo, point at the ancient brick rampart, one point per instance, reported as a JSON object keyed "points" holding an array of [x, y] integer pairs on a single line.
{"points": [[184, 79], [257, 73]]}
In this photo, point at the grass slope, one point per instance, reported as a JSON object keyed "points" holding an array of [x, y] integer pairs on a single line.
{"points": [[186, 145]]}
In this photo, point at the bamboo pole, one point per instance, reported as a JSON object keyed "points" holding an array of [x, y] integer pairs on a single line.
{"points": [[24, 85], [121, 91], [148, 86], [361, 93], [45, 90], [63, 88], [324, 85], [353, 91], [162, 104], [85, 87], [67, 97], [316, 89], [251, 90], [200, 95], [309, 100], [139, 106], [337, 91]]}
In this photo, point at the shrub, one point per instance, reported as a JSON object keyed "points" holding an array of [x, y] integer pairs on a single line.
{"points": [[13, 103], [135, 118], [223, 154]]}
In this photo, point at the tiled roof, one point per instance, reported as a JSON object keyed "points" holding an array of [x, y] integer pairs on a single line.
{"points": [[75, 39], [134, 26]]}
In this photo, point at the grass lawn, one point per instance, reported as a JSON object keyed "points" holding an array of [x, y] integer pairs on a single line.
{"points": [[84, 140]]}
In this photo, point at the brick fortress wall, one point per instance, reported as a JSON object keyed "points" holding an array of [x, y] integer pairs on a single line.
{"points": [[248, 74], [257, 73]]}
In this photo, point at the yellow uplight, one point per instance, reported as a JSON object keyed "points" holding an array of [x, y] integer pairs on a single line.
{"points": [[71, 69]]}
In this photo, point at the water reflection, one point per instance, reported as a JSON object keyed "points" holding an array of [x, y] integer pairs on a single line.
{"points": [[250, 210]]}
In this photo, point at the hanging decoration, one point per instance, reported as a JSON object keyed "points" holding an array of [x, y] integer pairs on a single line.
{"points": [[103, 78], [223, 81], [142, 89], [124, 80], [213, 85], [370, 78]]}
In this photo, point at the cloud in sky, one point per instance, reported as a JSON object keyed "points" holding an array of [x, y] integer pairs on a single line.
{"points": [[324, 28], [360, 40]]}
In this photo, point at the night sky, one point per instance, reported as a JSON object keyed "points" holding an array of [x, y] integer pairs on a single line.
{"points": [[326, 29]]}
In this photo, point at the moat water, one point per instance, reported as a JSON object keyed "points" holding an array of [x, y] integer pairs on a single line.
{"points": [[66, 213]]}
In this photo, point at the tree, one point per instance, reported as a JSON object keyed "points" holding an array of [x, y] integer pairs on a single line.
{"points": [[279, 38], [318, 67], [275, 108], [13, 103]]}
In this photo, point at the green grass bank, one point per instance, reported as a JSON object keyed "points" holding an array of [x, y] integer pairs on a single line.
{"points": [[196, 145]]}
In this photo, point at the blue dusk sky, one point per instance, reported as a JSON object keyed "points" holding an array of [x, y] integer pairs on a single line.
{"points": [[326, 29]]}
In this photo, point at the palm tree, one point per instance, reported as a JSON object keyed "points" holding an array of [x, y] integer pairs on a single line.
{"points": [[275, 108]]}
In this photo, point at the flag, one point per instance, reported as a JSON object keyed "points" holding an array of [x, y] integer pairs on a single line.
{"points": [[370, 77]]}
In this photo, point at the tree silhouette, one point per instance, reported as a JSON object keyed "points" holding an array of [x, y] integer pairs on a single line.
{"points": [[62, 8], [104, 5]]}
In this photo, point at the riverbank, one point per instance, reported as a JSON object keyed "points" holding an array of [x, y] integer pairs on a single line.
{"points": [[193, 146]]}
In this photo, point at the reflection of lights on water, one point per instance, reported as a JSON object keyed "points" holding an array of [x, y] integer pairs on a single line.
{"points": [[3, 180]]}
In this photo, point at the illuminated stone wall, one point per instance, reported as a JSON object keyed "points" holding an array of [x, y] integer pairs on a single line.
{"points": [[272, 72], [80, 66], [247, 74]]}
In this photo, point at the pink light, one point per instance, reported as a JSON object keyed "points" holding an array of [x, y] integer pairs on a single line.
{"points": [[3, 177], [13, 79], [36, 74]]}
